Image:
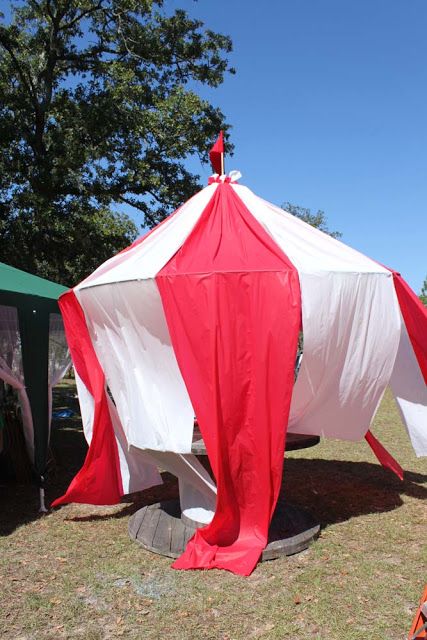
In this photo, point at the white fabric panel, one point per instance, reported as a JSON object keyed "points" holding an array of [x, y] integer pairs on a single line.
{"points": [[131, 339], [197, 490], [147, 258], [59, 356], [309, 249], [137, 471], [87, 407], [351, 328], [12, 370], [410, 392]]}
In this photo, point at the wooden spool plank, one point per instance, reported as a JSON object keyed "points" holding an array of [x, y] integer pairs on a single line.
{"points": [[189, 533], [177, 538], [163, 534], [163, 531], [147, 532], [292, 530], [136, 521]]}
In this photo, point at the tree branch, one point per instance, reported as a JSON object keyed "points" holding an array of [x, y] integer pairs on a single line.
{"points": [[36, 6], [27, 82], [81, 15], [49, 10], [134, 203]]}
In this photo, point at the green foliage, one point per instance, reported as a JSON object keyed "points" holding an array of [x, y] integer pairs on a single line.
{"points": [[64, 241], [98, 108], [423, 294], [317, 220]]}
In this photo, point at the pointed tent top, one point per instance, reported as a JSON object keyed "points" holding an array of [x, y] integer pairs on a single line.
{"points": [[233, 176]]}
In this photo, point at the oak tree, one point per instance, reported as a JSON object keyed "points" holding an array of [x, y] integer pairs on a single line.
{"points": [[99, 108]]}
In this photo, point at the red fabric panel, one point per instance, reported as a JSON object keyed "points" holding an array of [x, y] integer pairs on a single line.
{"points": [[383, 456], [215, 153], [415, 316], [99, 480], [232, 303]]}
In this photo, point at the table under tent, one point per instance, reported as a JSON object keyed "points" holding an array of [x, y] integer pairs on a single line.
{"points": [[34, 355], [201, 317]]}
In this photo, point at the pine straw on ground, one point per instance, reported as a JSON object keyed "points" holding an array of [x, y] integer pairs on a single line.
{"points": [[74, 574]]}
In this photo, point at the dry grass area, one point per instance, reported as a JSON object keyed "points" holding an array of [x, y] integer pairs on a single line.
{"points": [[74, 574]]}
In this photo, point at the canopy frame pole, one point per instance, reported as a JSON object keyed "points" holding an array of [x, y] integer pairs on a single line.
{"points": [[42, 501]]}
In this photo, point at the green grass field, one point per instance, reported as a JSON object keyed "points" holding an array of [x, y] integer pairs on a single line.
{"points": [[74, 574]]}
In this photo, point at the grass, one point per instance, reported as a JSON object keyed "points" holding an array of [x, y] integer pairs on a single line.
{"points": [[74, 574]]}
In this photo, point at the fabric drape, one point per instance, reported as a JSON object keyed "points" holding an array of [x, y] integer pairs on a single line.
{"points": [[350, 343], [99, 480], [409, 379], [111, 468], [232, 304], [415, 316]]}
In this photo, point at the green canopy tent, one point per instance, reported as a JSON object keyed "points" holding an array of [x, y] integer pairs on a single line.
{"points": [[28, 305]]}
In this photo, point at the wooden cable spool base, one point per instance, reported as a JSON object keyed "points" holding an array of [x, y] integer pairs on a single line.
{"points": [[161, 528]]}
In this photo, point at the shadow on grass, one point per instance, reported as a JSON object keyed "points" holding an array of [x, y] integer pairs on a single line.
{"points": [[336, 490], [332, 490], [132, 502], [19, 503]]}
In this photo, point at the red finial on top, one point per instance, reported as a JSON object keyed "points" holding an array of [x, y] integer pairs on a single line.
{"points": [[216, 155]]}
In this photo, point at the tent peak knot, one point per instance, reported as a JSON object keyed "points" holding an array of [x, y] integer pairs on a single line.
{"points": [[233, 176]]}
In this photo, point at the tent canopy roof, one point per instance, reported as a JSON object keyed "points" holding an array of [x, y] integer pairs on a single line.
{"points": [[17, 281]]}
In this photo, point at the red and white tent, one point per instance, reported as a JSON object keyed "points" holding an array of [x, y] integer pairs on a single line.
{"points": [[201, 317]]}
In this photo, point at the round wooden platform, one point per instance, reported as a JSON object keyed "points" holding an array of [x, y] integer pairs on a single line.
{"points": [[294, 441], [159, 528]]}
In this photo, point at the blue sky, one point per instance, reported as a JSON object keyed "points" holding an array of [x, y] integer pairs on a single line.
{"points": [[329, 111]]}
